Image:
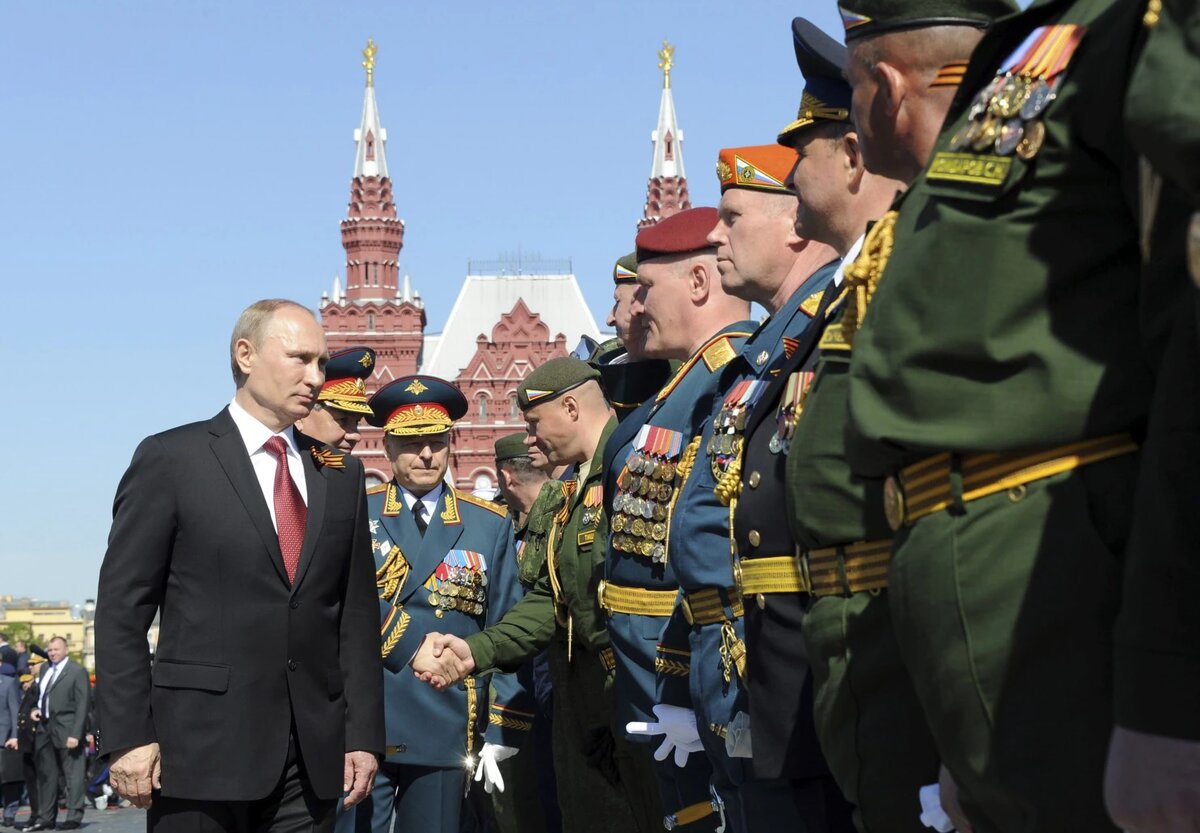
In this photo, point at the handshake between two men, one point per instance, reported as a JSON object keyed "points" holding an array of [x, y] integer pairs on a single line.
{"points": [[442, 660]]}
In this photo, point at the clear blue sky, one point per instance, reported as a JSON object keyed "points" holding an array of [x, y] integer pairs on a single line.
{"points": [[162, 165]]}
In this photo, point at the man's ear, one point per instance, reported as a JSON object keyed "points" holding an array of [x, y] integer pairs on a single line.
{"points": [[243, 352], [893, 88], [571, 405], [854, 159], [699, 282]]}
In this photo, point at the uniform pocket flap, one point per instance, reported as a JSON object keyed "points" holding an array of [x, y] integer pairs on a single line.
{"points": [[169, 674]]}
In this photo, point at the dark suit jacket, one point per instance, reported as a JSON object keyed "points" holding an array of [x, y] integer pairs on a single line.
{"points": [[243, 656], [10, 708], [67, 703]]}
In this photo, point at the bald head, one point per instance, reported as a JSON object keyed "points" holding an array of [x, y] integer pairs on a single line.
{"points": [[897, 111], [681, 303]]}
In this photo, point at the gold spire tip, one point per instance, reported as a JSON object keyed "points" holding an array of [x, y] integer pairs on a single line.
{"points": [[666, 60], [369, 62]]}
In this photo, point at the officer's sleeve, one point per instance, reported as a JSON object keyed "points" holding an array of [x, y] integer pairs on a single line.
{"points": [[132, 583], [510, 711], [523, 632], [1157, 644], [673, 662]]}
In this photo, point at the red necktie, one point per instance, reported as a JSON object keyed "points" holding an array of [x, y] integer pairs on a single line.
{"points": [[291, 513]]}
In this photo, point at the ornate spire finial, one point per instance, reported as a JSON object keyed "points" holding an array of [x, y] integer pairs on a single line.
{"points": [[369, 63], [666, 57]]}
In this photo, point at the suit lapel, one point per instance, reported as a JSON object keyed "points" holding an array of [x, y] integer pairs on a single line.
{"points": [[317, 486], [231, 454], [445, 528]]}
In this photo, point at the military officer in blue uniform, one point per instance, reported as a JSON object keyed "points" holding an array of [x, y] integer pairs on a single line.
{"points": [[685, 315], [342, 402], [445, 562], [701, 659]]}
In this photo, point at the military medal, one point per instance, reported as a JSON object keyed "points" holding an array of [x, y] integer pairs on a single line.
{"points": [[645, 490], [989, 129], [1031, 141], [1040, 96], [1011, 133]]}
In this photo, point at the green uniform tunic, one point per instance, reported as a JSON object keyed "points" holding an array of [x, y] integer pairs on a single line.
{"points": [[1012, 315], [868, 719], [604, 782], [1158, 631]]}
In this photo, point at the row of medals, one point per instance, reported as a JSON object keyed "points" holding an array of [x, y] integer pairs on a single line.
{"points": [[1005, 116], [640, 508], [462, 591]]}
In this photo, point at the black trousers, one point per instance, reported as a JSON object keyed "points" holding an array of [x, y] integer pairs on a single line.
{"points": [[53, 764], [289, 808]]}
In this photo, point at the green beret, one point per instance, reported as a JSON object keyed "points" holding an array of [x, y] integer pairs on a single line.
{"points": [[625, 270], [876, 17], [552, 379], [511, 447]]}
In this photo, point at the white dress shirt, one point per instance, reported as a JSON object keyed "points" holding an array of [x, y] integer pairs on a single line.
{"points": [[47, 680], [429, 500], [254, 435], [840, 274]]}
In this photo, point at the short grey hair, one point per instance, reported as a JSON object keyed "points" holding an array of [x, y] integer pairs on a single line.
{"points": [[252, 326]]}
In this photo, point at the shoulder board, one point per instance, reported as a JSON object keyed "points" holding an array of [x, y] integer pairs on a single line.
{"points": [[480, 502], [379, 489], [810, 304], [833, 338], [718, 354]]}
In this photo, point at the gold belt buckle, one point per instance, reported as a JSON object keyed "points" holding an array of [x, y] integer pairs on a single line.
{"points": [[893, 502], [601, 592], [738, 581]]}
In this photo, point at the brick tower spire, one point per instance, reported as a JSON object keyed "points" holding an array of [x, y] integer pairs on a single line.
{"points": [[370, 308], [667, 191]]}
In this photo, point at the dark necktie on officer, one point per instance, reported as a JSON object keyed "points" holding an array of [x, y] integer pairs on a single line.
{"points": [[419, 517], [291, 513]]}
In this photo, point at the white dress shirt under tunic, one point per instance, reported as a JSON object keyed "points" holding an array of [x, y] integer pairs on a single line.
{"points": [[429, 500], [45, 683], [255, 435]]}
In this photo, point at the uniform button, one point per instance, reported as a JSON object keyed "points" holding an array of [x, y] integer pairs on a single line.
{"points": [[755, 538], [761, 600], [294, 604], [291, 665], [755, 479]]}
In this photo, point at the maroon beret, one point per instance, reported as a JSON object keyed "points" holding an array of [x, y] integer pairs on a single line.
{"points": [[679, 234]]}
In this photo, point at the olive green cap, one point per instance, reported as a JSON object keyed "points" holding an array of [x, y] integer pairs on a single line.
{"points": [[511, 447], [875, 17], [552, 379], [625, 270]]}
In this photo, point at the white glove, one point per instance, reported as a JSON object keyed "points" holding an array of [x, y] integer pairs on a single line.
{"points": [[737, 737], [488, 770], [679, 726], [932, 814]]}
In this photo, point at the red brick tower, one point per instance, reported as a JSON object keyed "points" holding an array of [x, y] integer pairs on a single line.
{"points": [[667, 191], [373, 309]]}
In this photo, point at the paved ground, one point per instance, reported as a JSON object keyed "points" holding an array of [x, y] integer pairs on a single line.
{"points": [[112, 820]]}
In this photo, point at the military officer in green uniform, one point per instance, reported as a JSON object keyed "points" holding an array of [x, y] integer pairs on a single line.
{"points": [[444, 561], [342, 402], [1001, 380], [1155, 750], [701, 663], [605, 782], [870, 723], [526, 800], [686, 316]]}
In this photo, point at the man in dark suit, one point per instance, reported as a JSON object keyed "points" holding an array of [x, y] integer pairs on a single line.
{"points": [[264, 703], [61, 712]]}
